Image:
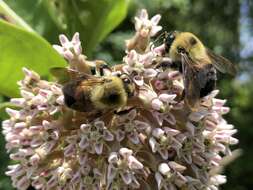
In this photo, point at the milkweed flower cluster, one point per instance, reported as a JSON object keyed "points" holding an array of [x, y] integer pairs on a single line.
{"points": [[157, 144]]}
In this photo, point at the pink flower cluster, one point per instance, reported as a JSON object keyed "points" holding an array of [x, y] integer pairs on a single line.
{"points": [[159, 144]]}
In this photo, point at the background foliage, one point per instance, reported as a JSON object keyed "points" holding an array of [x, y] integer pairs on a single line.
{"points": [[224, 26]]}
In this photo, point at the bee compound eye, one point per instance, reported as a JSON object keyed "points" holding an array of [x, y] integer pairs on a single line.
{"points": [[169, 40]]}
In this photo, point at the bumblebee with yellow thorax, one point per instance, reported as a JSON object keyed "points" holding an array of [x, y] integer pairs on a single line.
{"points": [[197, 63], [110, 94]]}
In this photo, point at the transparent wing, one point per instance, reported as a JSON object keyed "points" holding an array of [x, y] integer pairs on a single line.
{"points": [[221, 63], [192, 84]]}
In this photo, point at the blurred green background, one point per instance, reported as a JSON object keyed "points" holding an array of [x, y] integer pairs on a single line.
{"points": [[226, 26]]}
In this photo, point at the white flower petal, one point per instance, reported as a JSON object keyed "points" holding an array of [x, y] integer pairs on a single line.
{"points": [[134, 163], [159, 179], [138, 80], [158, 132], [155, 19], [154, 30], [164, 169], [149, 73], [167, 97], [125, 152], [113, 158], [152, 143]]}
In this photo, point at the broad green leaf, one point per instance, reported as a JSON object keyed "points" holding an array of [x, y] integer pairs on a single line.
{"points": [[19, 48], [9, 15], [37, 15], [92, 19]]}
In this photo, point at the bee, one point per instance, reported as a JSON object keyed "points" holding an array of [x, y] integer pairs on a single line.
{"points": [[197, 63], [88, 93]]}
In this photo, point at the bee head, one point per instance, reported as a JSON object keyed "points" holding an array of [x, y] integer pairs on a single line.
{"points": [[128, 84]]}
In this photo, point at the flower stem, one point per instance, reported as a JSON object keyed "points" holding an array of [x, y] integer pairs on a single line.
{"points": [[7, 11]]}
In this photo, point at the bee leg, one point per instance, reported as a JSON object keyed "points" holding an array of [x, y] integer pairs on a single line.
{"points": [[182, 95], [30, 188], [170, 64], [102, 67], [123, 112], [93, 70]]}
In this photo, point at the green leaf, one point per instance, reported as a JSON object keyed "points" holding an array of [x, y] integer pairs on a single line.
{"points": [[94, 20], [9, 15], [19, 48], [37, 15]]}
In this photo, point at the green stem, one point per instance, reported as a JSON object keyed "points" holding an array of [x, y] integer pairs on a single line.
{"points": [[6, 10]]}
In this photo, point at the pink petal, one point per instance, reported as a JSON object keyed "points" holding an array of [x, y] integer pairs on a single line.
{"points": [[120, 135], [143, 14], [170, 118], [171, 131], [99, 148], [158, 132], [167, 97], [133, 136], [155, 19], [159, 179], [131, 115], [108, 136], [141, 125], [84, 143], [68, 55], [127, 178], [75, 38], [158, 117], [63, 39], [111, 173]]}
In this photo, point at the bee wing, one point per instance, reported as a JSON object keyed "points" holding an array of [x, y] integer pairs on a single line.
{"points": [[77, 92], [90, 81], [61, 74], [221, 63], [192, 84], [64, 75]]}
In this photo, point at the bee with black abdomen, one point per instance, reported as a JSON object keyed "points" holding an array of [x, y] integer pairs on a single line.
{"points": [[197, 63], [88, 93]]}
